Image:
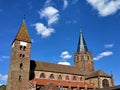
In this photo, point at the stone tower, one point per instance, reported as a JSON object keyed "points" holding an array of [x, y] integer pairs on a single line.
{"points": [[20, 61], [83, 58]]}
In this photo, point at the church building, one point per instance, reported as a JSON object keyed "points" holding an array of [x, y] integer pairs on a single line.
{"points": [[27, 74]]}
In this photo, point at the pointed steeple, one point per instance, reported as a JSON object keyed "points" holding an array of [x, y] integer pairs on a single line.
{"points": [[81, 44], [22, 34]]}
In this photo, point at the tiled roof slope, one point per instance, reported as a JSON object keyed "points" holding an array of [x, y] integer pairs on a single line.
{"points": [[97, 74], [50, 67], [22, 34]]}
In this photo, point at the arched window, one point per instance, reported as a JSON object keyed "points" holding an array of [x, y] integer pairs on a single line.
{"points": [[21, 65], [67, 77], [105, 83], [81, 78], [20, 78], [20, 47], [20, 55], [24, 48], [74, 78], [42, 75], [23, 55], [59, 77], [51, 76]]}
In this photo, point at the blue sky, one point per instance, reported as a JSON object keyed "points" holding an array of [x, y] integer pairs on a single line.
{"points": [[54, 27]]}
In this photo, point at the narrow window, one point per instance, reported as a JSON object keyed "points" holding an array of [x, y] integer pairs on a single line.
{"points": [[21, 65], [23, 55], [20, 78], [20, 47], [51, 76], [24, 48], [67, 77], [59, 77], [81, 78], [42, 75], [74, 78], [20, 55]]}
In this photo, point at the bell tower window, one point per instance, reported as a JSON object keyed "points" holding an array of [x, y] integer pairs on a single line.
{"points": [[21, 65], [22, 55], [20, 47], [24, 48], [20, 78]]}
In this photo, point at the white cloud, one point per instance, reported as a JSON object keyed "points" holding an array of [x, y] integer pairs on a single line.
{"points": [[103, 54], [4, 58], [65, 4], [105, 7], [43, 30], [65, 55], [51, 14], [3, 77], [108, 45], [64, 63]]}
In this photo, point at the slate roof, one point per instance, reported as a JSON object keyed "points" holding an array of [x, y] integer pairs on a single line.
{"points": [[22, 34], [97, 74], [50, 67], [82, 44]]}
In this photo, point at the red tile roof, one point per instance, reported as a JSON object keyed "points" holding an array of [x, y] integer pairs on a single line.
{"points": [[97, 74], [22, 34], [61, 83]]}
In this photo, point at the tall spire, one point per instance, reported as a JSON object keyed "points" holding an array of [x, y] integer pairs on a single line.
{"points": [[81, 44], [22, 34]]}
